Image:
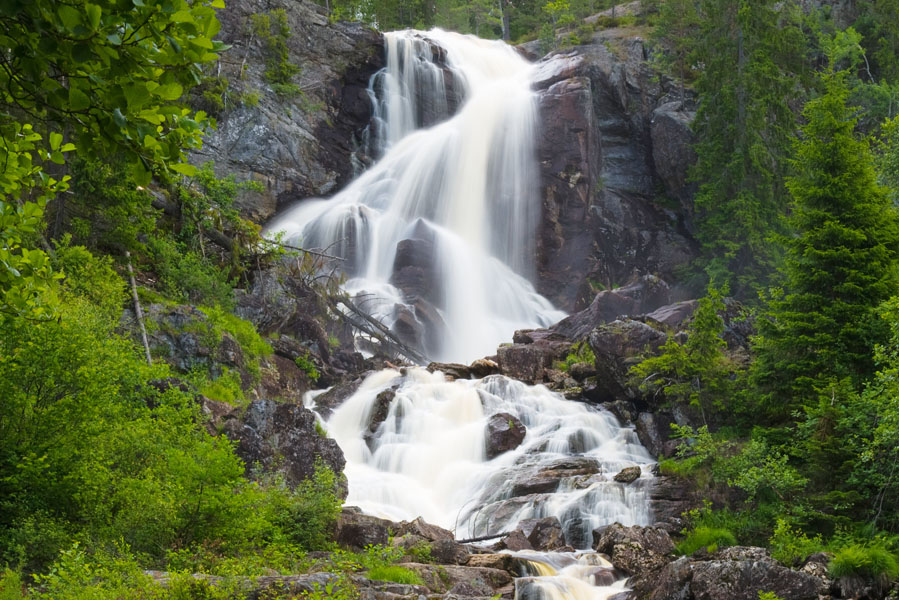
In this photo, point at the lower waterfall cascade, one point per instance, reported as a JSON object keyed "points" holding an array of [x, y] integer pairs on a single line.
{"points": [[454, 125]]}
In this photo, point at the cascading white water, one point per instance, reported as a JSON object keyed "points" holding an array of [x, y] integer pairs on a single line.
{"points": [[463, 190], [425, 455], [465, 187]]}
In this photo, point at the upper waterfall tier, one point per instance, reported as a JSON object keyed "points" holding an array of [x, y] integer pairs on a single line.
{"points": [[439, 234]]}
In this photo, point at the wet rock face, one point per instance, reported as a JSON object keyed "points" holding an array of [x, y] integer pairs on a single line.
{"points": [[504, 432], [610, 148], [295, 145]]}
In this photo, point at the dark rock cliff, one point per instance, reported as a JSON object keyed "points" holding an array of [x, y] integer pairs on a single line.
{"points": [[301, 144], [614, 150]]}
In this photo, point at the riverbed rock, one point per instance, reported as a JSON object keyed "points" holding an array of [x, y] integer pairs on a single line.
{"points": [[483, 367], [628, 475], [634, 549], [451, 370], [737, 573], [504, 432], [544, 534]]}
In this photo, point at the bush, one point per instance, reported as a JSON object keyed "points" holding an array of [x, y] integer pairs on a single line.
{"points": [[308, 514], [580, 353], [186, 276], [873, 560], [706, 537], [395, 574], [790, 546]]}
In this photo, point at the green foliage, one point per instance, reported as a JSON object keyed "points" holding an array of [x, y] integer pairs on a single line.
{"points": [[272, 28], [107, 210], [227, 387], [791, 546], [840, 265], [309, 517], [750, 52], [697, 372], [186, 277], [873, 560], [581, 352], [11, 585], [768, 596], [117, 73], [307, 366], [26, 277], [244, 332], [396, 574], [89, 277], [706, 537]]}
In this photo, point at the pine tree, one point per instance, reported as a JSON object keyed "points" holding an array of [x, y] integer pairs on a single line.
{"points": [[841, 263], [746, 50]]}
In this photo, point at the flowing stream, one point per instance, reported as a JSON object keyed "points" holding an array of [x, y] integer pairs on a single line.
{"points": [[453, 197]]}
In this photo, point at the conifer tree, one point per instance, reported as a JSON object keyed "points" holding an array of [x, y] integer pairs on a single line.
{"points": [[841, 262], [746, 50]]}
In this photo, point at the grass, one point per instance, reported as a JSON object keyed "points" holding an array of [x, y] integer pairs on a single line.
{"points": [[870, 561], [395, 574], [710, 538]]}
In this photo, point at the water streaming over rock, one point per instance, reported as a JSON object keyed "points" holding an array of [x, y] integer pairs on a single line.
{"points": [[450, 206], [455, 202], [421, 450]]}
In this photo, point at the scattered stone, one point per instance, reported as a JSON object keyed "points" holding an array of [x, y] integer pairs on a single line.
{"points": [[628, 475], [483, 367]]}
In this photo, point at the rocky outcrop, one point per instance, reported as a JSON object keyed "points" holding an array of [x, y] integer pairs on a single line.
{"points": [[612, 161], [736, 573], [645, 294], [282, 438], [300, 143]]}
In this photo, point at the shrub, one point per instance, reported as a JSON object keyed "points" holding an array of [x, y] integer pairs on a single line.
{"points": [[395, 574], [309, 513], [186, 276], [706, 537], [789, 546], [580, 353]]}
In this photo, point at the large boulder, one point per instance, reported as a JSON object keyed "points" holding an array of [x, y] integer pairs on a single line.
{"points": [[504, 432], [356, 530], [737, 573], [634, 549], [618, 346]]}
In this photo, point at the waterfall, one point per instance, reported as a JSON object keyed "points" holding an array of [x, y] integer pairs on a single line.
{"points": [[441, 230], [438, 236], [420, 450]]}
